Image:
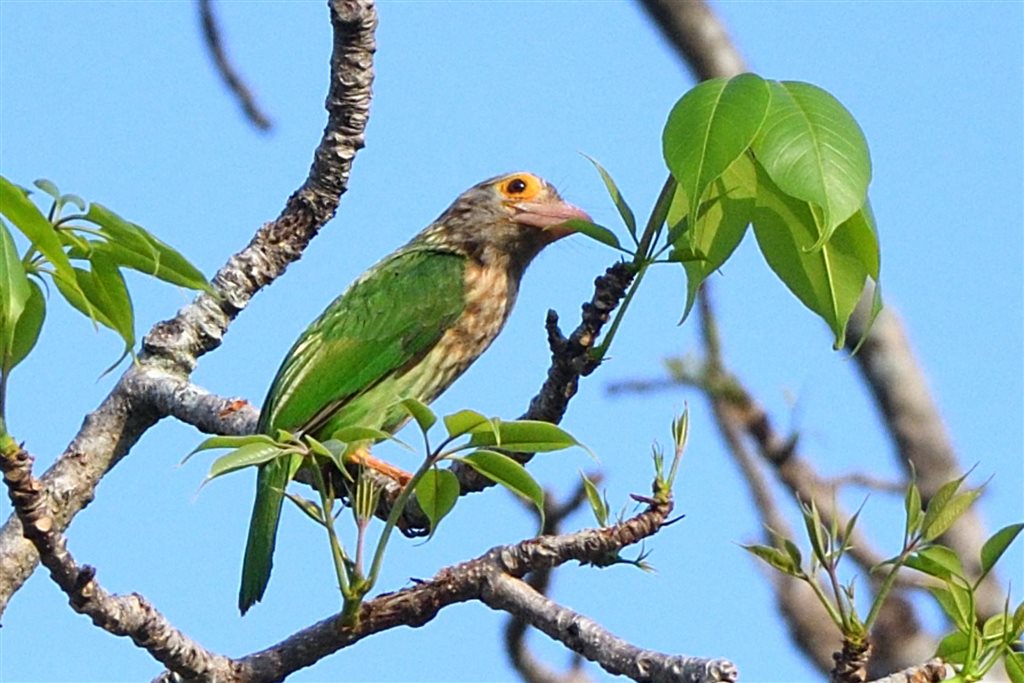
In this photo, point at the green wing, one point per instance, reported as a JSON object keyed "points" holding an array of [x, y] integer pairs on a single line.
{"points": [[387, 320]]}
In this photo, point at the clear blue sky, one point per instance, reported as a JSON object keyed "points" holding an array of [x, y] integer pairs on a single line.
{"points": [[118, 103]]}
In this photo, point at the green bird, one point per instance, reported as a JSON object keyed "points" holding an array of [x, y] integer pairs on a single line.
{"points": [[408, 327]]}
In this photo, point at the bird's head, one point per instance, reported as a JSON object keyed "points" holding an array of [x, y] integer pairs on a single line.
{"points": [[516, 215]]}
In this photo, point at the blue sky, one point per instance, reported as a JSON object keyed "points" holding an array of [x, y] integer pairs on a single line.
{"points": [[118, 102]]}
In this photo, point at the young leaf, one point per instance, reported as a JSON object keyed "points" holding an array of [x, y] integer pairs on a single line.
{"points": [[710, 128], [953, 648], [47, 186], [525, 436], [14, 293], [620, 202], [216, 442], [437, 493], [30, 323], [814, 151], [912, 506], [996, 545], [994, 628], [26, 217], [829, 280], [424, 416], [246, 456], [775, 557], [949, 513], [504, 470], [308, 507], [938, 561], [597, 504], [724, 219], [132, 246], [594, 232], [463, 422]]}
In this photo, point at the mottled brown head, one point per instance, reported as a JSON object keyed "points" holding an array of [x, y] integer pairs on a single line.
{"points": [[509, 217]]}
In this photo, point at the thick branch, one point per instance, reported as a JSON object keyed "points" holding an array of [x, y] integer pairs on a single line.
{"points": [[173, 347]]}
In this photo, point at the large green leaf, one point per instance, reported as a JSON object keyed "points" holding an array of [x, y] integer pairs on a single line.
{"points": [[436, 494], [106, 289], [14, 291], [525, 436], [463, 422], [997, 544], [708, 129], [247, 456], [420, 411], [503, 470], [813, 149], [724, 218], [30, 323], [830, 280], [132, 246], [28, 219]]}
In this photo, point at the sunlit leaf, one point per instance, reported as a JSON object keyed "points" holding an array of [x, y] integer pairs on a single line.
{"points": [[829, 280], [463, 422], [216, 442], [594, 232], [30, 323], [725, 216], [949, 513], [525, 436], [597, 503], [106, 290], [953, 648], [936, 560], [997, 544], [912, 507], [249, 455], [133, 246], [421, 412], [710, 127], [504, 470], [29, 220], [775, 557], [1014, 664], [813, 150], [437, 493], [14, 292]]}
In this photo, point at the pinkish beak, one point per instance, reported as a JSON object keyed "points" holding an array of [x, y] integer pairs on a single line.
{"points": [[549, 216]]}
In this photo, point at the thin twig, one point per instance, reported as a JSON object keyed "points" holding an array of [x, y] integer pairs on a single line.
{"points": [[227, 71]]}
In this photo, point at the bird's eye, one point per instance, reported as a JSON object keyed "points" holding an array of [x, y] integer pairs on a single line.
{"points": [[521, 186]]}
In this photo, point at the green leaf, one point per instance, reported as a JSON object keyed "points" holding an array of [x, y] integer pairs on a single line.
{"points": [[216, 442], [437, 493], [132, 246], [597, 503], [949, 513], [30, 323], [994, 628], [308, 507], [775, 557], [14, 294], [47, 186], [710, 128], [814, 151], [249, 455], [421, 412], [620, 202], [105, 288], [724, 220], [594, 232], [912, 506], [940, 499], [503, 470], [29, 220], [829, 280], [936, 560], [996, 545], [355, 434], [463, 422], [1014, 664], [954, 647], [73, 293], [957, 603], [815, 533], [524, 436]]}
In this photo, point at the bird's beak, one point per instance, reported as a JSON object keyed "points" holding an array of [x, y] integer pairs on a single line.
{"points": [[550, 216]]}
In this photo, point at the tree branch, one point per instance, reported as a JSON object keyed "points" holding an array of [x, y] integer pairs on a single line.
{"points": [[173, 347], [234, 83]]}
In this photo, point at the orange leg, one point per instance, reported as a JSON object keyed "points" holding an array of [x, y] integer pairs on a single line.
{"points": [[363, 457]]}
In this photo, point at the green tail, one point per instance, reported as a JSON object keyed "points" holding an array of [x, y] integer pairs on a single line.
{"points": [[266, 513]]}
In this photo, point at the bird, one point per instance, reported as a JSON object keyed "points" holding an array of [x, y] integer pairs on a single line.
{"points": [[407, 327]]}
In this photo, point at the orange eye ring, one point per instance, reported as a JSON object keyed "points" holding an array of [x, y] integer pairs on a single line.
{"points": [[520, 187]]}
